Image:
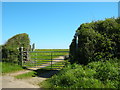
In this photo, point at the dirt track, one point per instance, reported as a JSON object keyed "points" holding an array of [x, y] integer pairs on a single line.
{"points": [[8, 80]]}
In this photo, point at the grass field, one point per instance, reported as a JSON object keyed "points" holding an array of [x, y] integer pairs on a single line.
{"points": [[38, 58]]}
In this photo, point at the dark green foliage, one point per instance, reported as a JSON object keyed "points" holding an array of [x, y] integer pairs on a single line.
{"points": [[73, 50], [97, 40], [10, 50], [95, 75]]}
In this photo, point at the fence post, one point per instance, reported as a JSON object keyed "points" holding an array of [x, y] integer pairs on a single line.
{"points": [[51, 60]]}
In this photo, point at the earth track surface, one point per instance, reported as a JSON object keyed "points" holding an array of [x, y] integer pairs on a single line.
{"points": [[9, 81]]}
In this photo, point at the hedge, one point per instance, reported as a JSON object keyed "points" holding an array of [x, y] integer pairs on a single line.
{"points": [[10, 50], [99, 40]]}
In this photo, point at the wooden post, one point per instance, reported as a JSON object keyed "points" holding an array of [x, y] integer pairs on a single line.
{"points": [[21, 56], [20, 62]]}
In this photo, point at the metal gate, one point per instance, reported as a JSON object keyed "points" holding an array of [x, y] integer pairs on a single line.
{"points": [[42, 59]]}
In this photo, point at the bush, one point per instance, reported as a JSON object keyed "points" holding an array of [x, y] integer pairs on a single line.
{"points": [[10, 50], [107, 71], [94, 75], [88, 83]]}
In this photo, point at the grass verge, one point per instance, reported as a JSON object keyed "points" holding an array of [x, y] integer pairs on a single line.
{"points": [[26, 75], [9, 67]]}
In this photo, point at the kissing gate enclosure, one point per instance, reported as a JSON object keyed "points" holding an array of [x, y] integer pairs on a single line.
{"points": [[44, 58]]}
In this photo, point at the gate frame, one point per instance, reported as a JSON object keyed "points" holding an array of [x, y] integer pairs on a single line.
{"points": [[27, 55]]}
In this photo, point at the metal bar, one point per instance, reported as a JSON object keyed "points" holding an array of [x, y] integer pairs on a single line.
{"points": [[44, 62], [46, 59], [40, 59], [57, 59], [57, 55], [48, 55], [46, 51], [51, 60]]}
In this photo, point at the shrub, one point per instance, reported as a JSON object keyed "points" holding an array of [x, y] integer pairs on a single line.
{"points": [[101, 74], [88, 83], [107, 71], [10, 53]]}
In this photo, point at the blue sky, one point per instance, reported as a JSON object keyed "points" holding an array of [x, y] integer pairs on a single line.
{"points": [[52, 24]]}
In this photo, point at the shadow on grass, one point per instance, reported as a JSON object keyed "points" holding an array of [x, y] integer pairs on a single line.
{"points": [[45, 73], [24, 68]]}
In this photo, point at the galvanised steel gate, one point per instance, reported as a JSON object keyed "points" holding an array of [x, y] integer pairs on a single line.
{"points": [[42, 59]]}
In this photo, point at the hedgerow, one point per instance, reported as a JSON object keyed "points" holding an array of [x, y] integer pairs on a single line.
{"points": [[10, 50]]}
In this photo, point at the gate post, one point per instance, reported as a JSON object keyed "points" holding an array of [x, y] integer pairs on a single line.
{"points": [[21, 56]]}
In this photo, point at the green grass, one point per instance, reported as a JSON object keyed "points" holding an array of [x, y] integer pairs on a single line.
{"points": [[26, 75], [9, 67], [35, 57]]}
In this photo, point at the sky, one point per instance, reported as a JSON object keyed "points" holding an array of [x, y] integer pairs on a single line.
{"points": [[60, 0], [51, 25]]}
